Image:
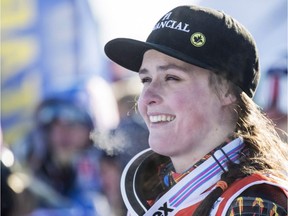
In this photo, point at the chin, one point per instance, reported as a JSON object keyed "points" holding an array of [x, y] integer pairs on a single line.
{"points": [[160, 149], [161, 145]]}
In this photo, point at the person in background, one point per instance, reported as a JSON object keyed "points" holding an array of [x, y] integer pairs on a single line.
{"points": [[69, 161], [64, 161], [111, 168], [131, 129], [59, 155], [66, 127], [213, 150]]}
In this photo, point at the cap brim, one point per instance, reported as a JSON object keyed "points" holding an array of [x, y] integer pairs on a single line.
{"points": [[129, 53]]}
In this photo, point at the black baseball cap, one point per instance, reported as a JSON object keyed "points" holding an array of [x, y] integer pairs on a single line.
{"points": [[200, 36]]}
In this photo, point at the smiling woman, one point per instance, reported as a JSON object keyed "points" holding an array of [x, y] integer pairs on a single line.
{"points": [[213, 151], [178, 89]]}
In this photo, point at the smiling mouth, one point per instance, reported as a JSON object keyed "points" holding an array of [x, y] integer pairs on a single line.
{"points": [[161, 118]]}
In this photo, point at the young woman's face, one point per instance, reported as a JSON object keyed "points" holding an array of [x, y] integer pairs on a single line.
{"points": [[180, 108]]}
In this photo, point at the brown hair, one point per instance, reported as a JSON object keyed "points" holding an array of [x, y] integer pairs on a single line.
{"points": [[264, 151]]}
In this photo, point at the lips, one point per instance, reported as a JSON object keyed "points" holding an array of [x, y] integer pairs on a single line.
{"points": [[161, 118]]}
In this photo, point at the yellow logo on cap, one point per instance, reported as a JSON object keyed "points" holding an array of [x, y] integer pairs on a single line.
{"points": [[198, 39]]}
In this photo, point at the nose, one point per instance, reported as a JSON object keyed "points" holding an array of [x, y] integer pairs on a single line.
{"points": [[150, 95]]}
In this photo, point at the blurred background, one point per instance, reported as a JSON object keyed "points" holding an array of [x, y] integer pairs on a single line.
{"points": [[68, 118]]}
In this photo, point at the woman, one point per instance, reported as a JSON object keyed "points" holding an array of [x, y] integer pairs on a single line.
{"points": [[212, 150]]}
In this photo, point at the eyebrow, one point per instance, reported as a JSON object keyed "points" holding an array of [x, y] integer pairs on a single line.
{"points": [[165, 68]]}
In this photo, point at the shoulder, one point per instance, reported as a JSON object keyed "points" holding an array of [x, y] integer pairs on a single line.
{"points": [[252, 189], [256, 184], [260, 199], [267, 192]]}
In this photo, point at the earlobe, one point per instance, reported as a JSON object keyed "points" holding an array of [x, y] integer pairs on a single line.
{"points": [[228, 99]]}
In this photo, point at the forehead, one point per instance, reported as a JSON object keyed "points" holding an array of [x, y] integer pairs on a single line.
{"points": [[152, 55], [154, 59]]}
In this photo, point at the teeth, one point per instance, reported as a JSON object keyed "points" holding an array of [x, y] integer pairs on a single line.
{"points": [[161, 118]]}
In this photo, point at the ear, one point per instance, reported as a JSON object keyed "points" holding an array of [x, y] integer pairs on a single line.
{"points": [[226, 95], [228, 99]]}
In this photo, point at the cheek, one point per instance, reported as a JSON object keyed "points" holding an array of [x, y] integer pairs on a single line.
{"points": [[194, 108], [186, 101]]}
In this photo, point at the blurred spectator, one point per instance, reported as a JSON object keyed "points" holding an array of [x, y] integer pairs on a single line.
{"points": [[121, 143], [62, 159], [131, 130], [70, 160], [111, 172]]}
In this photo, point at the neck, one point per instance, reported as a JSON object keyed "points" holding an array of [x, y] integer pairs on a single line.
{"points": [[186, 160]]}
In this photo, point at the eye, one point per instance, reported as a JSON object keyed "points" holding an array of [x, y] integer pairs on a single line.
{"points": [[145, 79], [172, 77]]}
